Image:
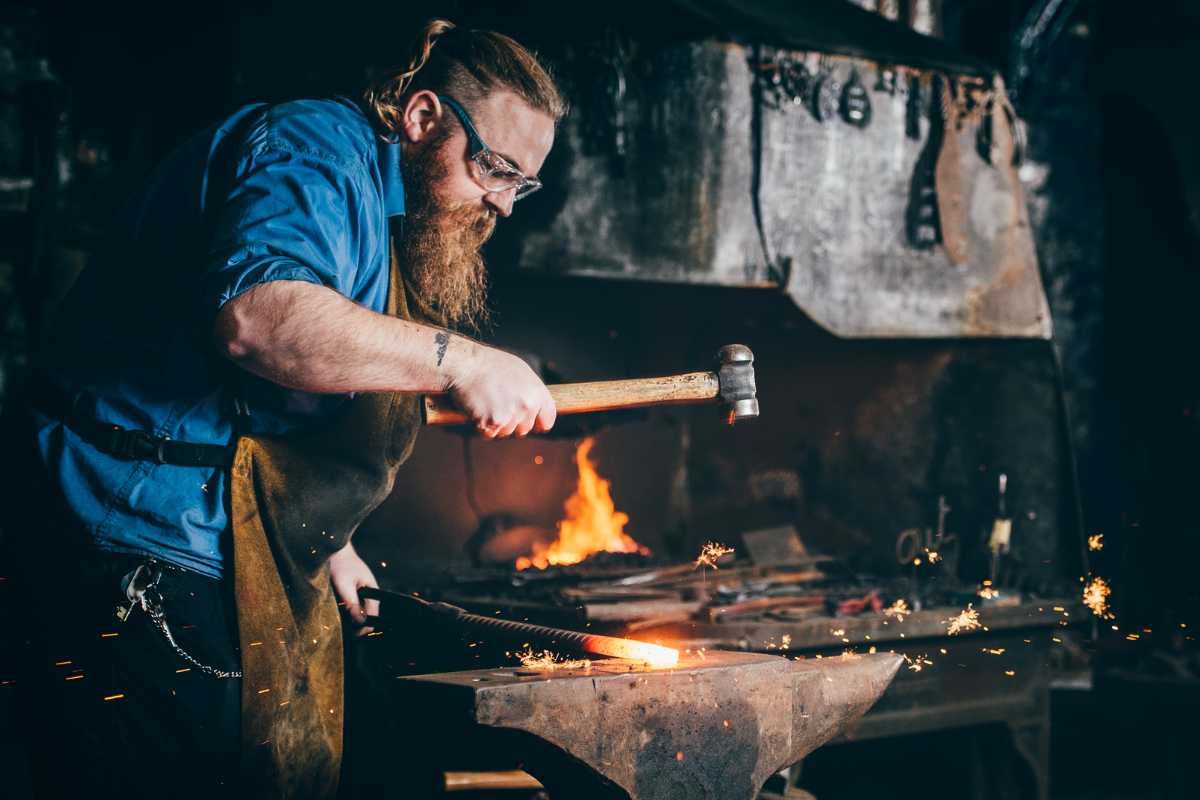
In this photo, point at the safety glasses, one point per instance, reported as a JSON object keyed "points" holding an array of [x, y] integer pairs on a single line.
{"points": [[493, 172]]}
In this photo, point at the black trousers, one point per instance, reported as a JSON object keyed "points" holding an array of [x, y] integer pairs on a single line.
{"points": [[107, 707]]}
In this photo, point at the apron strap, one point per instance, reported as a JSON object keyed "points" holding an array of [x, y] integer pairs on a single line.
{"points": [[120, 442]]}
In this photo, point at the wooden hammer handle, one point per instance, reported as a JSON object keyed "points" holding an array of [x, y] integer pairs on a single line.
{"points": [[574, 398]]}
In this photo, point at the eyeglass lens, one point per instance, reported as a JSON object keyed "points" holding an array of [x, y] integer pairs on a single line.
{"points": [[498, 176]]}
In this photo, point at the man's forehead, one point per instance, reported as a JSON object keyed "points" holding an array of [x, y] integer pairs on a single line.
{"points": [[514, 130]]}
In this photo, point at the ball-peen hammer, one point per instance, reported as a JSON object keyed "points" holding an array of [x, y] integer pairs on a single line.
{"points": [[731, 384]]}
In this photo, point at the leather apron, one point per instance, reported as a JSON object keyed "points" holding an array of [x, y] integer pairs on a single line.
{"points": [[295, 501]]}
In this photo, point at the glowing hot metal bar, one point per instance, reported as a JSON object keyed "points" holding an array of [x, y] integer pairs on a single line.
{"points": [[568, 640]]}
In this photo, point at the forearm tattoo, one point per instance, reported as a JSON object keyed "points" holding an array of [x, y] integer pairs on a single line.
{"points": [[443, 341]]}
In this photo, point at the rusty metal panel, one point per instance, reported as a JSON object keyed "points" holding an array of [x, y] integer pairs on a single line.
{"points": [[677, 208], [836, 201]]}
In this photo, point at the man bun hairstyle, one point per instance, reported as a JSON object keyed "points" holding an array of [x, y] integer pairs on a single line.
{"points": [[468, 66]]}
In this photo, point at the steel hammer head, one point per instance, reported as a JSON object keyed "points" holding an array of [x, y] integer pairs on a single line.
{"points": [[735, 376]]}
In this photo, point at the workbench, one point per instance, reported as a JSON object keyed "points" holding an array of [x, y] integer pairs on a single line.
{"points": [[1000, 673]]}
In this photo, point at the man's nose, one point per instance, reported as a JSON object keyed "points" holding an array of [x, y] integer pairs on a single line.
{"points": [[501, 202]]}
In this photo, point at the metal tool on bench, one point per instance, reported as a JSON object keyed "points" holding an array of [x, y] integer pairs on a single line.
{"points": [[731, 385], [523, 631]]}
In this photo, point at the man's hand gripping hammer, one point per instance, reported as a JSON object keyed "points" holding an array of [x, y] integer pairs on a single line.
{"points": [[731, 385]]}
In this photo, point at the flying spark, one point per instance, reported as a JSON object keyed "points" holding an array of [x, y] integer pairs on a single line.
{"points": [[1095, 597], [898, 610], [966, 621], [987, 593], [548, 660], [710, 554], [918, 663], [849, 655], [1094, 542]]}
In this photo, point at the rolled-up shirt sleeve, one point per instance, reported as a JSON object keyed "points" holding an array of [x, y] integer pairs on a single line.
{"points": [[288, 215]]}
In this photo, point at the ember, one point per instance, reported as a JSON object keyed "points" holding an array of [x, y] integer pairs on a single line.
{"points": [[710, 554], [592, 524], [966, 621], [898, 610], [1095, 597], [549, 660]]}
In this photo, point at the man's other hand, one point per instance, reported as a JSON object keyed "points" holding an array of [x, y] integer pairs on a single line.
{"points": [[348, 572], [501, 394]]}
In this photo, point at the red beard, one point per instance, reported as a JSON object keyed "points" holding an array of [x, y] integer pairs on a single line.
{"points": [[440, 248]]}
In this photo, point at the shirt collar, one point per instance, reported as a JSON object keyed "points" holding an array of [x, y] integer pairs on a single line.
{"points": [[393, 184]]}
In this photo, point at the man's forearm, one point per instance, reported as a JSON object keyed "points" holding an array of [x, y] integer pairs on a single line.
{"points": [[309, 337]]}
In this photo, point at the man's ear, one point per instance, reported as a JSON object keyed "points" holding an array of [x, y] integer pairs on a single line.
{"points": [[422, 114]]}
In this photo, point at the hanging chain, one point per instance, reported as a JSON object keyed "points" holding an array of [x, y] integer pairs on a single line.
{"points": [[152, 605]]}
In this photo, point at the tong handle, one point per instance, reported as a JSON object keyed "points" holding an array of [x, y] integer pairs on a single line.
{"points": [[410, 601]]}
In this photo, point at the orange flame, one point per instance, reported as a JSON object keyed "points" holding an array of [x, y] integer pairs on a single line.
{"points": [[592, 524]]}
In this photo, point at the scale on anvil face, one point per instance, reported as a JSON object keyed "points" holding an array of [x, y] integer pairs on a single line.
{"points": [[714, 725]]}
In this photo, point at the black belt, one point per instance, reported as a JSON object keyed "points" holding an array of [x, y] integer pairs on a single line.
{"points": [[120, 442]]}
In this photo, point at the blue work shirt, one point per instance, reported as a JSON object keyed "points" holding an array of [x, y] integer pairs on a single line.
{"points": [[311, 192]]}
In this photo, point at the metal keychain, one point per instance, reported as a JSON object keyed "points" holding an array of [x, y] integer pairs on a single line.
{"points": [[151, 601], [855, 102], [826, 92]]}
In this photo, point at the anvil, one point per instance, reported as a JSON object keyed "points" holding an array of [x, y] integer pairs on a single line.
{"points": [[714, 726]]}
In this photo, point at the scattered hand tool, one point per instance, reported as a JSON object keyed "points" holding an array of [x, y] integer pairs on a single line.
{"points": [[856, 605], [523, 631], [731, 385], [764, 605], [912, 550], [1001, 533]]}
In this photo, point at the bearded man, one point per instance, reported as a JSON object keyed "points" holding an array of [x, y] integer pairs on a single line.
{"points": [[226, 394]]}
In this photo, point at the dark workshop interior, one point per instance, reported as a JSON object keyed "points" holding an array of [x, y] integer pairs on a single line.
{"points": [[961, 239]]}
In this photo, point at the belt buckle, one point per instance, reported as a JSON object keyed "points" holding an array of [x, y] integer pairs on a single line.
{"points": [[141, 445]]}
